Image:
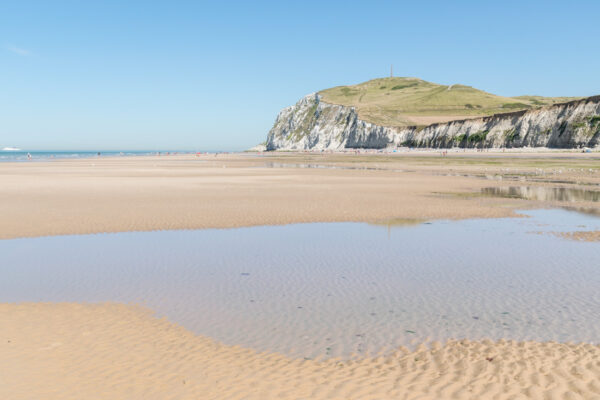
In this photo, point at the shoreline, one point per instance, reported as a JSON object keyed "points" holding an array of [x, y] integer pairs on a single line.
{"points": [[400, 151]]}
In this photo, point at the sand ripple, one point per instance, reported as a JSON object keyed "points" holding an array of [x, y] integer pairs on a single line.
{"points": [[102, 351]]}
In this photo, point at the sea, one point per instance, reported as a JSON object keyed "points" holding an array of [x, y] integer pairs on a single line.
{"points": [[22, 155]]}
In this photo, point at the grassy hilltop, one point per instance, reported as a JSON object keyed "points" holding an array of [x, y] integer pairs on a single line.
{"points": [[412, 101]]}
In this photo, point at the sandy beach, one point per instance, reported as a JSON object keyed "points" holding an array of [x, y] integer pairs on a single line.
{"points": [[189, 192], [74, 351], [122, 351], [211, 201]]}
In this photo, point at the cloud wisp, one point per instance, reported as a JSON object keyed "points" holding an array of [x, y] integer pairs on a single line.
{"points": [[17, 50]]}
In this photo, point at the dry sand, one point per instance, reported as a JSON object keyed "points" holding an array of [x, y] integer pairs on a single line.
{"points": [[114, 351]]}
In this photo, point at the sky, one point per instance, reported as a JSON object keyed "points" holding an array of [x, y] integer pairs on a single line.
{"points": [[179, 75]]}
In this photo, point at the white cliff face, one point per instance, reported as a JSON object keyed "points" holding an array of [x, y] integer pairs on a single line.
{"points": [[316, 125]]}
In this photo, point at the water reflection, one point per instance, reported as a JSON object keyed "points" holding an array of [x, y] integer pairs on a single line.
{"points": [[543, 193], [329, 166]]}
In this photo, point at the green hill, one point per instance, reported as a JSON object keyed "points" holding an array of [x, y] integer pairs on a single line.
{"points": [[412, 101]]}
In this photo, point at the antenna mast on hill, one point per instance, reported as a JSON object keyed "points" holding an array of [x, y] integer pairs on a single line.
{"points": [[392, 71]]}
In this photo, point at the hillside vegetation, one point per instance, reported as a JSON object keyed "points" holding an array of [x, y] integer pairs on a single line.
{"points": [[412, 101]]}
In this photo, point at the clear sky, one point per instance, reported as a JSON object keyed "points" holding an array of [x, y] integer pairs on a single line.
{"points": [[213, 75]]}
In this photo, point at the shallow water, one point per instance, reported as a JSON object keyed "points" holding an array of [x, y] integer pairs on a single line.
{"points": [[329, 166], [12, 156], [333, 289], [543, 193]]}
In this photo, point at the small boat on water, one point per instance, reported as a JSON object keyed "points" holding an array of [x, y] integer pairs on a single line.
{"points": [[11, 149]]}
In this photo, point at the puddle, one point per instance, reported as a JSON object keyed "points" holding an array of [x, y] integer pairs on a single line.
{"points": [[521, 177], [333, 289], [543, 193]]}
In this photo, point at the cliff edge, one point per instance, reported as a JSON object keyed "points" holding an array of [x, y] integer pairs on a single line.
{"points": [[313, 124]]}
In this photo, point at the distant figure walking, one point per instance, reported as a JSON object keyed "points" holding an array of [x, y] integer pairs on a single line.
{"points": [[29, 156]]}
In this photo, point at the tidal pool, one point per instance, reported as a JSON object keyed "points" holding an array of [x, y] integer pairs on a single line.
{"points": [[543, 193], [333, 289]]}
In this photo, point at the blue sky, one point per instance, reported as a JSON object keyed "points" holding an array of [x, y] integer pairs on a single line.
{"points": [[213, 75]]}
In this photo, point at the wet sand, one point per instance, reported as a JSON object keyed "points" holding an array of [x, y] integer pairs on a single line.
{"points": [[114, 351], [188, 192], [585, 236]]}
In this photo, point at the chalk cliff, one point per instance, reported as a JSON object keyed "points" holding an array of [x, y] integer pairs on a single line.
{"points": [[314, 124]]}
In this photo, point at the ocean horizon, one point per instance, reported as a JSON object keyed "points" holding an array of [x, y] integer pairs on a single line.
{"points": [[45, 155]]}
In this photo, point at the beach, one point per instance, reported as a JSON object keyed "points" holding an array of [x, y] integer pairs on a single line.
{"points": [[212, 201], [116, 194], [73, 351], [82, 333]]}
